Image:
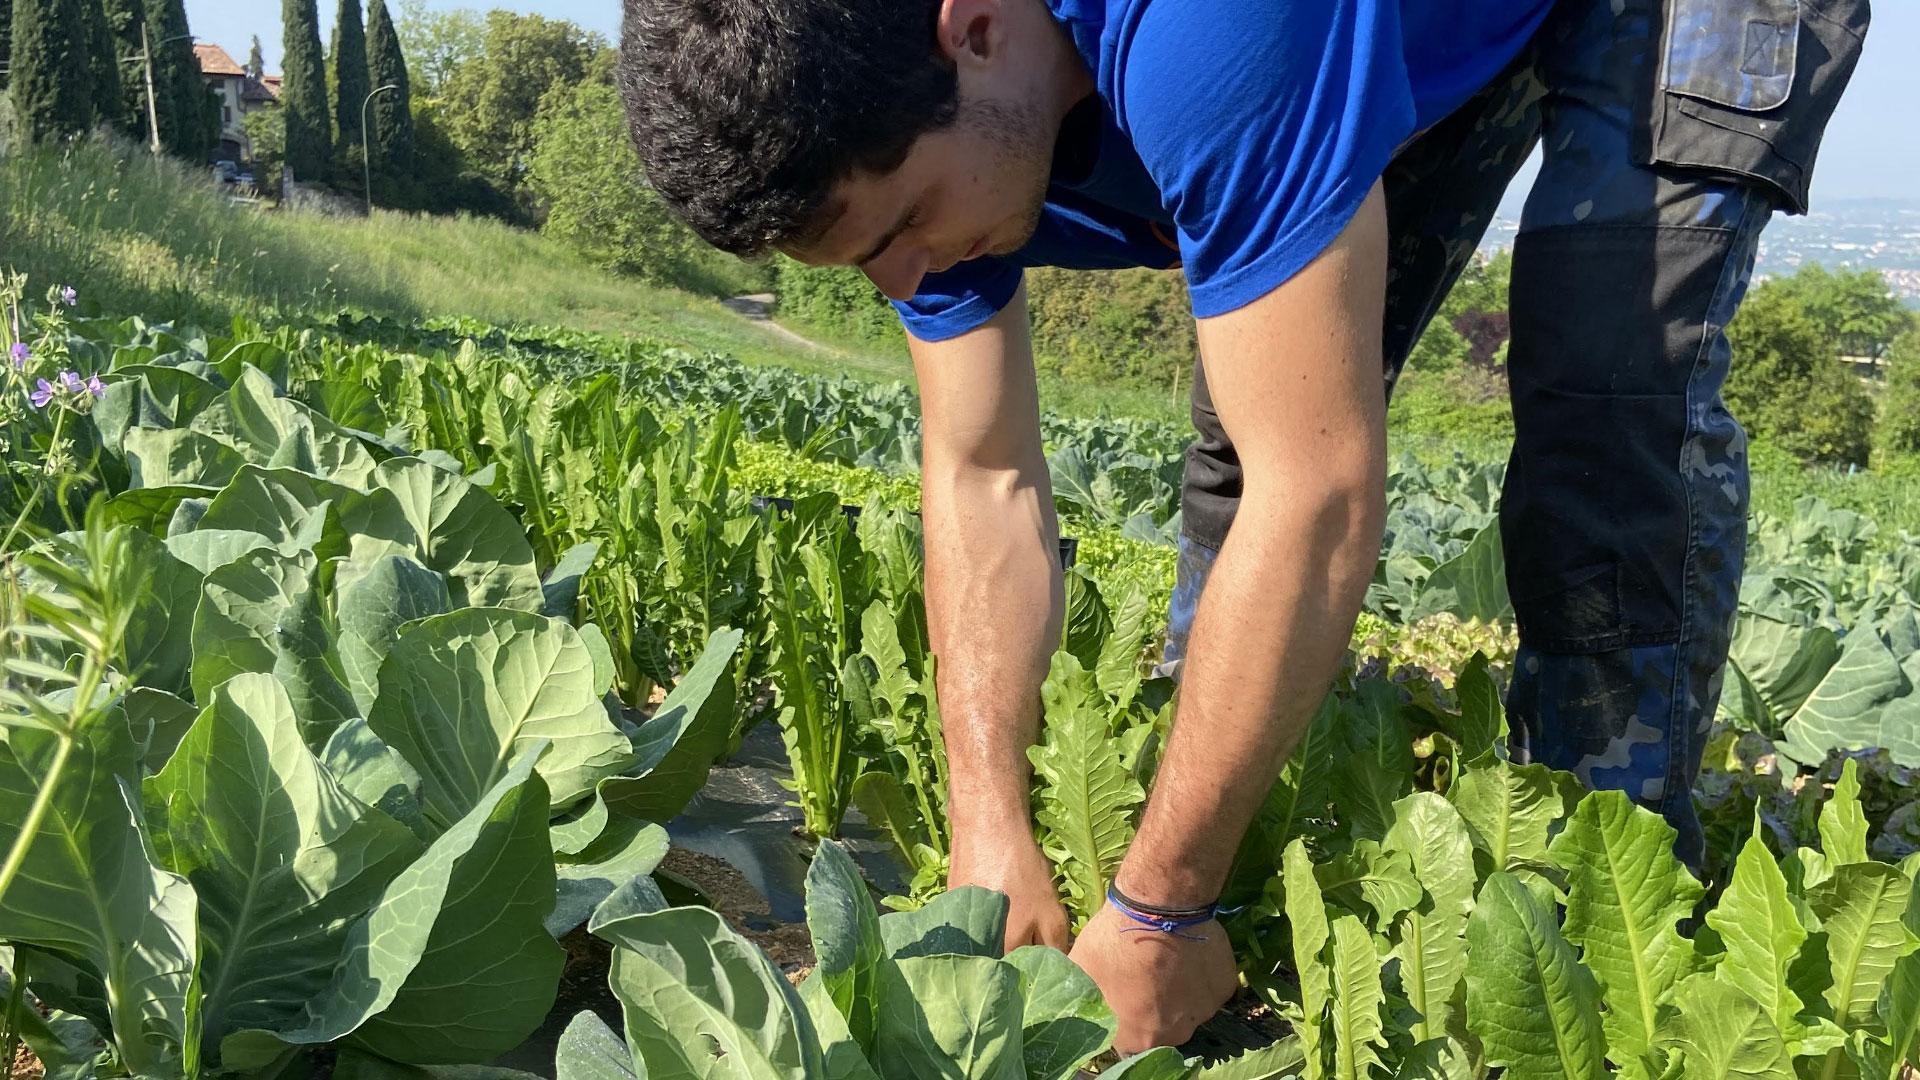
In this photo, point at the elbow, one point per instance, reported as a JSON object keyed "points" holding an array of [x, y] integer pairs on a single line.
{"points": [[1336, 516]]}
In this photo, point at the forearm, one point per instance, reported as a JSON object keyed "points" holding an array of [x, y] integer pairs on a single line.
{"points": [[1269, 635], [994, 608]]}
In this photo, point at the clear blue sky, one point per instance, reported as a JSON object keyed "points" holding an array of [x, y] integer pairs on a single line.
{"points": [[1872, 147]]}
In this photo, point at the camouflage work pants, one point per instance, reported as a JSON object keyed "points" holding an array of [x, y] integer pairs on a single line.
{"points": [[1671, 131]]}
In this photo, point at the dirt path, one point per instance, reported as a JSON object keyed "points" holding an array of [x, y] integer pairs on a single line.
{"points": [[758, 308]]}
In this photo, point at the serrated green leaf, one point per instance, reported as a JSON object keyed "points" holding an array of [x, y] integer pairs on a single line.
{"points": [[1760, 932], [1357, 997], [1535, 1009], [1626, 895], [1085, 800], [1511, 810], [1431, 940], [1369, 881], [1307, 914], [1899, 1010], [1860, 909], [1843, 824], [1719, 1032]]}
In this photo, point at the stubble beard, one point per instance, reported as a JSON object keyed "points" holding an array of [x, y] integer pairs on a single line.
{"points": [[1023, 159]]}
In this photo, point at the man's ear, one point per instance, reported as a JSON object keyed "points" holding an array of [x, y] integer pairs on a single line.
{"points": [[971, 31]]}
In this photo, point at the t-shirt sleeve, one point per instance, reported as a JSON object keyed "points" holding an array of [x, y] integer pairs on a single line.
{"points": [[1264, 125], [959, 299]]}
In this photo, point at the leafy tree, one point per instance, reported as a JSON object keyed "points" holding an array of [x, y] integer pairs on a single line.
{"points": [[597, 201], [491, 100], [392, 137], [189, 122], [124, 19], [1440, 348], [1131, 327], [110, 105], [1899, 431], [349, 58], [1789, 387], [303, 91], [267, 132], [256, 63], [51, 68], [1856, 311], [438, 42]]}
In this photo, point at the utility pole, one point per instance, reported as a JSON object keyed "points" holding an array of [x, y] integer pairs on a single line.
{"points": [[366, 153], [153, 112], [145, 60]]}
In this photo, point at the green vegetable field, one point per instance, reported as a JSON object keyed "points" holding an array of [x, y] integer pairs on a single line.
{"points": [[362, 675]]}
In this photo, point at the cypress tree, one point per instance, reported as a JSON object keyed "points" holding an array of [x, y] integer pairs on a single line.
{"points": [[6, 37], [106, 89], [180, 93], [303, 91], [256, 64], [124, 19], [349, 59], [51, 65], [392, 120]]}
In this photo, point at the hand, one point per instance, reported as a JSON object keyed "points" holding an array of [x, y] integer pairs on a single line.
{"points": [[1161, 988], [1009, 861]]}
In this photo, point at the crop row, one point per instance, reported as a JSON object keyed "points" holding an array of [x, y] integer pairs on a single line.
{"points": [[346, 703]]}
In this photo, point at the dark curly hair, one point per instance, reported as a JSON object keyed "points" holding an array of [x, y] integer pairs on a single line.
{"points": [[746, 112]]}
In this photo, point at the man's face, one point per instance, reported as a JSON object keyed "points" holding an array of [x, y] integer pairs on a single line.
{"points": [[972, 188]]}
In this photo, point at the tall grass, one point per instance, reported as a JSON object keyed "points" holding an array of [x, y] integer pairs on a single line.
{"points": [[143, 235]]}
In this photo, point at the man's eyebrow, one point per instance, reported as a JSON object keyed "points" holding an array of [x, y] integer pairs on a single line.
{"points": [[899, 226]]}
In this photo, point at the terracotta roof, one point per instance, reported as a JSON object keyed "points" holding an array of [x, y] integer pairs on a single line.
{"points": [[215, 61], [252, 89]]}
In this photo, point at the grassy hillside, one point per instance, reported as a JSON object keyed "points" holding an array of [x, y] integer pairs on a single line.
{"points": [[137, 234]]}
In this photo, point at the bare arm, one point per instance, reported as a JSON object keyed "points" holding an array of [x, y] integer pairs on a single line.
{"points": [[993, 602], [1296, 377]]}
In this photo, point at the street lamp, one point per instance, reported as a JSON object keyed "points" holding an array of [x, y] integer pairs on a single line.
{"points": [[146, 58], [366, 154]]}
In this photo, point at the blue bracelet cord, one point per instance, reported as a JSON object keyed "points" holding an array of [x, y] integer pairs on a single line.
{"points": [[1166, 923]]}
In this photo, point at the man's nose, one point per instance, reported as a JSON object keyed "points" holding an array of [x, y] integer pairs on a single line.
{"points": [[898, 270]]}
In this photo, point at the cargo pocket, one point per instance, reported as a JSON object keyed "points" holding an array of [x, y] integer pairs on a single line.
{"points": [[1746, 87]]}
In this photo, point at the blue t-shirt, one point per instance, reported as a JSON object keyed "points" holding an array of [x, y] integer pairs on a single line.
{"points": [[1235, 138]]}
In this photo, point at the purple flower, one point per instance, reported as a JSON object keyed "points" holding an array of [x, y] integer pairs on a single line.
{"points": [[71, 380], [41, 396], [96, 387], [20, 354], [68, 296]]}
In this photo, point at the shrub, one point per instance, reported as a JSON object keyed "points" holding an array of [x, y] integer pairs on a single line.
{"points": [[1899, 428], [837, 299], [1116, 327], [1788, 385]]}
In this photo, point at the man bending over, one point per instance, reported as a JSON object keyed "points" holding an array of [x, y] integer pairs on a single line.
{"points": [[1321, 171]]}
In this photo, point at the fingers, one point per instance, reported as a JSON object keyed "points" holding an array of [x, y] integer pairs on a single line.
{"points": [[1053, 928]]}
